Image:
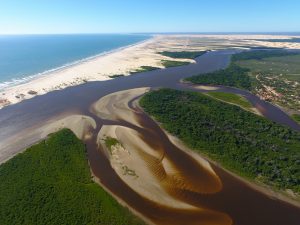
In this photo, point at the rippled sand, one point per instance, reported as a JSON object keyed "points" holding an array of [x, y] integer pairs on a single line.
{"points": [[154, 173], [147, 166]]}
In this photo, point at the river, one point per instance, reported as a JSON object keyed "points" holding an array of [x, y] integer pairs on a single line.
{"points": [[243, 204]]}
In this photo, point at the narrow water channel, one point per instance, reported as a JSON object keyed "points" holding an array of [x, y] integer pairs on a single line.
{"points": [[235, 203]]}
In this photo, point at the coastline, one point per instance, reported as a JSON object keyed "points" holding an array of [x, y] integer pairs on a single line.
{"points": [[26, 111], [29, 78], [121, 61], [64, 76], [125, 60]]}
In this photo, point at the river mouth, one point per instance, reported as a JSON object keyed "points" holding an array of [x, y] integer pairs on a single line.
{"points": [[235, 202], [186, 189]]}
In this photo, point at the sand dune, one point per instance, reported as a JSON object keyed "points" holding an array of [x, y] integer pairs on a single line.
{"points": [[100, 68], [130, 59]]}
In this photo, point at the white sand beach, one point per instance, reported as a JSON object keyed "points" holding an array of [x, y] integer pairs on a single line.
{"points": [[100, 68], [131, 58]]}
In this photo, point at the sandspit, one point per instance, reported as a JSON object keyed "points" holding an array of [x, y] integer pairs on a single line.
{"points": [[146, 167], [127, 60], [104, 67], [81, 125]]}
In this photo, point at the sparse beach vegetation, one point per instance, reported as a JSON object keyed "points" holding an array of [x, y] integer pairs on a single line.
{"points": [[116, 76], [144, 69], [273, 75], [110, 142], [170, 63], [183, 54]]}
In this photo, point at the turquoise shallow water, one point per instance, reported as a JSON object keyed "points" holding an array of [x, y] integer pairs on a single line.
{"points": [[23, 57]]}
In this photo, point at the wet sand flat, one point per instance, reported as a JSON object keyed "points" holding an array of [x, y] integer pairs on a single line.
{"points": [[216, 196]]}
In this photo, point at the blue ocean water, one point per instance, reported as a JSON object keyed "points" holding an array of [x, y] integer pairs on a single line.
{"points": [[23, 57]]}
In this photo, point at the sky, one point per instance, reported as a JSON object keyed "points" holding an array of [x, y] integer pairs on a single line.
{"points": [[148, 16]]}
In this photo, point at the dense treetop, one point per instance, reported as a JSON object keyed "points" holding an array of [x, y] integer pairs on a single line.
{"points": [[235, 75], [183, 54], [50, 183], [242, 141]]}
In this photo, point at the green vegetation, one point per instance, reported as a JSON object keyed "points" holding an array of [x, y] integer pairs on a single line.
{"points": [[110, 142], [183, 55], [140, 70], [277, 79], [130, 172], [169, 63], [273, 75], [263, 48], [296, 117], [231, 98], [144, 69], [296, 40], [116, 76], [241, 141], [50, 183], [233, 76], [274, 65], [257, 55]]}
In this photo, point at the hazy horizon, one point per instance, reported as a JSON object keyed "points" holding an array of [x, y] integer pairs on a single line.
{"points": [[101, 17], [165, 33]]}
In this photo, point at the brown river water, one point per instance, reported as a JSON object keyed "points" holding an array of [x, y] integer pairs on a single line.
{"points": [[235, 203]]}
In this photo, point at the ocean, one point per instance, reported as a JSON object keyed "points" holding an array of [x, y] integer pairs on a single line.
{"points": [[23, 57]]}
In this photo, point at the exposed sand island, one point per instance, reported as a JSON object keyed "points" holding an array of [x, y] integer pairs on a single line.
{"points": [[175, 183], [146, 167], [81, 126], [132, 58]]}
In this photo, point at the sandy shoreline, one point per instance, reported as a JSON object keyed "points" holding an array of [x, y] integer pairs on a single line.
{"points": [[146, 169], [120, 61], [115, 106], [130, 58]]}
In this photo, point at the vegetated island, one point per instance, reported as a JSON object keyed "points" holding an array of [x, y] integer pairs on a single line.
{"points": [[145, 69], [167, 63], [273, 75], [179, 55], [183, 54], [170, 63], [242, 142], [50, 183]]}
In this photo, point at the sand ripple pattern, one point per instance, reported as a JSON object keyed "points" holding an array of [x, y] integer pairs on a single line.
{"points": [[153, 166]]}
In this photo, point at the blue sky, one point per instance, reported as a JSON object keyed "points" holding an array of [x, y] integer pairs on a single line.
{"points": [[127, 16]]}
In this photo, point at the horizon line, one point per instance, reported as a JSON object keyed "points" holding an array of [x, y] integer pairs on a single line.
{"points": [[153, 33]]}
